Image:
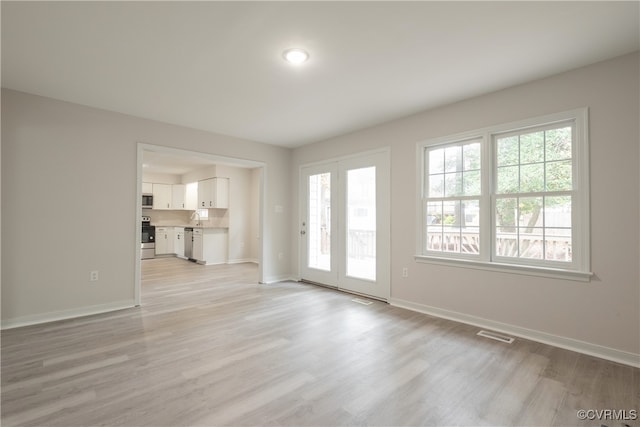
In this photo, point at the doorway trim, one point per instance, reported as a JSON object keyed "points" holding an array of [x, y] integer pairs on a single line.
{"points": [[230, 161]]}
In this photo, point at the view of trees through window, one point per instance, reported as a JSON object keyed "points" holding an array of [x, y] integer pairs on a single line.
{"points": [[532, 182], [533, 200], [454, 188]]}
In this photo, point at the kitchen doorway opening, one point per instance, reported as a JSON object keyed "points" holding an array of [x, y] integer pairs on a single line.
{"points": [[217, 202]]}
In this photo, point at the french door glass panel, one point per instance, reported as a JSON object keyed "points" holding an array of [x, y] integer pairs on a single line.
{"points": [[361, 223], [319, 227]]}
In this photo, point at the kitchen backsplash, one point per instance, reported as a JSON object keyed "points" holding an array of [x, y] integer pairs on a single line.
{"points": [[217, 218]]}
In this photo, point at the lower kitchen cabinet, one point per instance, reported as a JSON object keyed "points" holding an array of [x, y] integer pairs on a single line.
{"points": [[164, 240], [178, 242], [197, 245], [210, 245]]}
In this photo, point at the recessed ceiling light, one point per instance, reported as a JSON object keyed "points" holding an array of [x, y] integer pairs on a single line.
{"points": [[295, 56]]}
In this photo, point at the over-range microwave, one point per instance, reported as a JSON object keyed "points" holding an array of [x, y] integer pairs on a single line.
{"points": [[147, 201]]}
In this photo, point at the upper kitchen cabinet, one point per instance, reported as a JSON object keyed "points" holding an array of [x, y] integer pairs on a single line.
{"points": [[169, 196], [213, 193], [147, 188], [178, 199], [161, 196]]}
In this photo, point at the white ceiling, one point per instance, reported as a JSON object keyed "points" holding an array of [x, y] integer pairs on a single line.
{"points": [[218, 66]]}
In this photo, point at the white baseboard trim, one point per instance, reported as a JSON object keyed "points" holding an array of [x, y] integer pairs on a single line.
{"points": [[242, 261], [276, 279], [619, 356], [53, 316], [210, 263]]}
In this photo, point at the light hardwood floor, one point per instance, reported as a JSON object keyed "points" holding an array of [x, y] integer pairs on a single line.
{"points": [[211, 347]]}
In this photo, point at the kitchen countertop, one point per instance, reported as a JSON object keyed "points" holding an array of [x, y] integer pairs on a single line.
{"points": [[188, 225]]}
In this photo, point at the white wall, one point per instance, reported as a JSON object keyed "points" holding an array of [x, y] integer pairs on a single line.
{"points": [[254, 237], [604, 312], [239, 212], [200, 174], [161, 178], [79, 164]]}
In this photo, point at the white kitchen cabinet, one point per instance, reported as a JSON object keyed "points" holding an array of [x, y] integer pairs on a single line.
{"points": [[178, 196], [178, 241], [213, 193], [161, 196], [169, 196], [198, 253], [204, 191], [210, 245], [191, 196], [147, 188], [164, 240]]}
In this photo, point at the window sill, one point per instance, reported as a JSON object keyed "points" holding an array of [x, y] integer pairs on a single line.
{"points": [[553, 273]]}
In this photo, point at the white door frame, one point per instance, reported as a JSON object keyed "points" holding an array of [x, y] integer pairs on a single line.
{"points": [[384, 247], [141, 148]]}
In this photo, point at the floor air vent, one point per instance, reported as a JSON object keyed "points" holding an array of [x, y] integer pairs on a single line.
{"points": [[496, 336], [362, 301]]}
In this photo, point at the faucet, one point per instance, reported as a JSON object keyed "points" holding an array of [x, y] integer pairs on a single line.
{"points": [[194, 215]]}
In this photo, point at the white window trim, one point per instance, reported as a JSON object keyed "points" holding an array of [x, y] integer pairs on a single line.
{"points": [[581, 268]]}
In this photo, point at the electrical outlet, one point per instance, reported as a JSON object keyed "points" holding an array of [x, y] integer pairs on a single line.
{"points": [[405, 272], [93, 276]]}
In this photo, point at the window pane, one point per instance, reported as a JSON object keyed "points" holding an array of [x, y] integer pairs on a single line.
{"points": [[532, 177], [471, 153], [451, 226], [529, 212], [508, 179], [506, 229], [436, 185], [531, 243], [470, 231], [558, 144], [470, 243], [506, 214], [557, 244], [453, 159], [434, 213], [532, 147], [471, 183], [434, 238], [434, 226], [508, 151], [557, 211], [436, 160], [558, 176], [470, 215], [451, 239], [453, 184], [451, 213]]}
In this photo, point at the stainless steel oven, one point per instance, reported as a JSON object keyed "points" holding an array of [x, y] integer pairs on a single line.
{"points": [[148, 246]]}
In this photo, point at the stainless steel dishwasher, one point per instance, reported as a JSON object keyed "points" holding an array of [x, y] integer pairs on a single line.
{"points": [[188, 243]]}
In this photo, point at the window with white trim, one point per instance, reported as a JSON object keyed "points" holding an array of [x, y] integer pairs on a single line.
{"points": [[513, 196], [452, 202]]}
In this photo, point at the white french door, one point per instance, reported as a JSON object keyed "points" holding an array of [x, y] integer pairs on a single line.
{"points": [[345, 225]]}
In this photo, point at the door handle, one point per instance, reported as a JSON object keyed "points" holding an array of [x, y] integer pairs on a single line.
{"points": [[303, 232]]}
